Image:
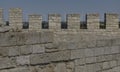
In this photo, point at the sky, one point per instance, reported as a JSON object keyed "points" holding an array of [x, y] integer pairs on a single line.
{"points": [[63, 7]]}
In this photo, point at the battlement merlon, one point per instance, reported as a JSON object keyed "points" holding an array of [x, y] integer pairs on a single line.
{"points": [[1, 17], [16, 18], [35, 22], [54, 21], [111, 21]]}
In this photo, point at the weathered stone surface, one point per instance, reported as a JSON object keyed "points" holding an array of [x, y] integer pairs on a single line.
{"points": [[26, 49], [14, 51], [80, 61], [89, 52], [4, 51], [60, 56], [39, 59], [115, 49], [21, 69], [7, 63], [23, 60], [46, 36], [77, 54], [32, 37], [38, 49], [7, 39], [60, 67]]}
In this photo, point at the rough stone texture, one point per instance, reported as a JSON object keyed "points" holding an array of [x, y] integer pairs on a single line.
{"points": [[56, 49], [15, 19], [73, 21], [1, 17], [23, 60], [54, 21], [93, 21], [112, 21], [35, 22], [7, 63], [38, 49]]}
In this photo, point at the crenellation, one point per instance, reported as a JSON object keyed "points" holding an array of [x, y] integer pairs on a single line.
{"points": [[73, 21], [57, 49], [112, 21], [54, 21], [15, 18], [35, 22], [93, 21], [1, 17]]}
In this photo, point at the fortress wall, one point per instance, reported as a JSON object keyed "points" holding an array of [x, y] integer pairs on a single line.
{"points": [[61, 50]]}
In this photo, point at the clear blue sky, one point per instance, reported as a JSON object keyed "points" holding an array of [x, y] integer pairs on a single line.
{"points": [[62, 7]]}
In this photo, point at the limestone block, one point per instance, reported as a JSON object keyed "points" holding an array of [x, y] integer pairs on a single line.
{"points": [[107, 50], [80, 61], [7, 63], [60, 56], [38, 49], [80, 69], [106, 65], [23, 60], [20, 69], [80, 53], [26, 49], [89, 52], [90, 60], [116, 69], [70, 66], [7, 39], [116, 41], [99, 51], [46, 37], [104, 42], [14, 51], [32, 37], [51, 47], [39, 59], [4, 51], [115, 49], [60, 67], [113, 63]]}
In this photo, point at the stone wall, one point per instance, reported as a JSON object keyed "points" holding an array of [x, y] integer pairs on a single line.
{"points": [[61, 50]]}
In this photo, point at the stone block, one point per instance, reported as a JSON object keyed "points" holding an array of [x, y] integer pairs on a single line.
{"points": [[7, 39], [106, 65], [51, 47], [113, 63], [80, 61], [115, 49], [46, 37], [89, 60], [14, 51], [99, 51], [38, 49], [80, 69], [7, 63], [23, 60], [89, 52], [60, 67], [19, 69], [60, 56], [26, 49], [32, 37], [105, 42], [4, 51], [107, 50], [80, 53], [39, 59]]}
